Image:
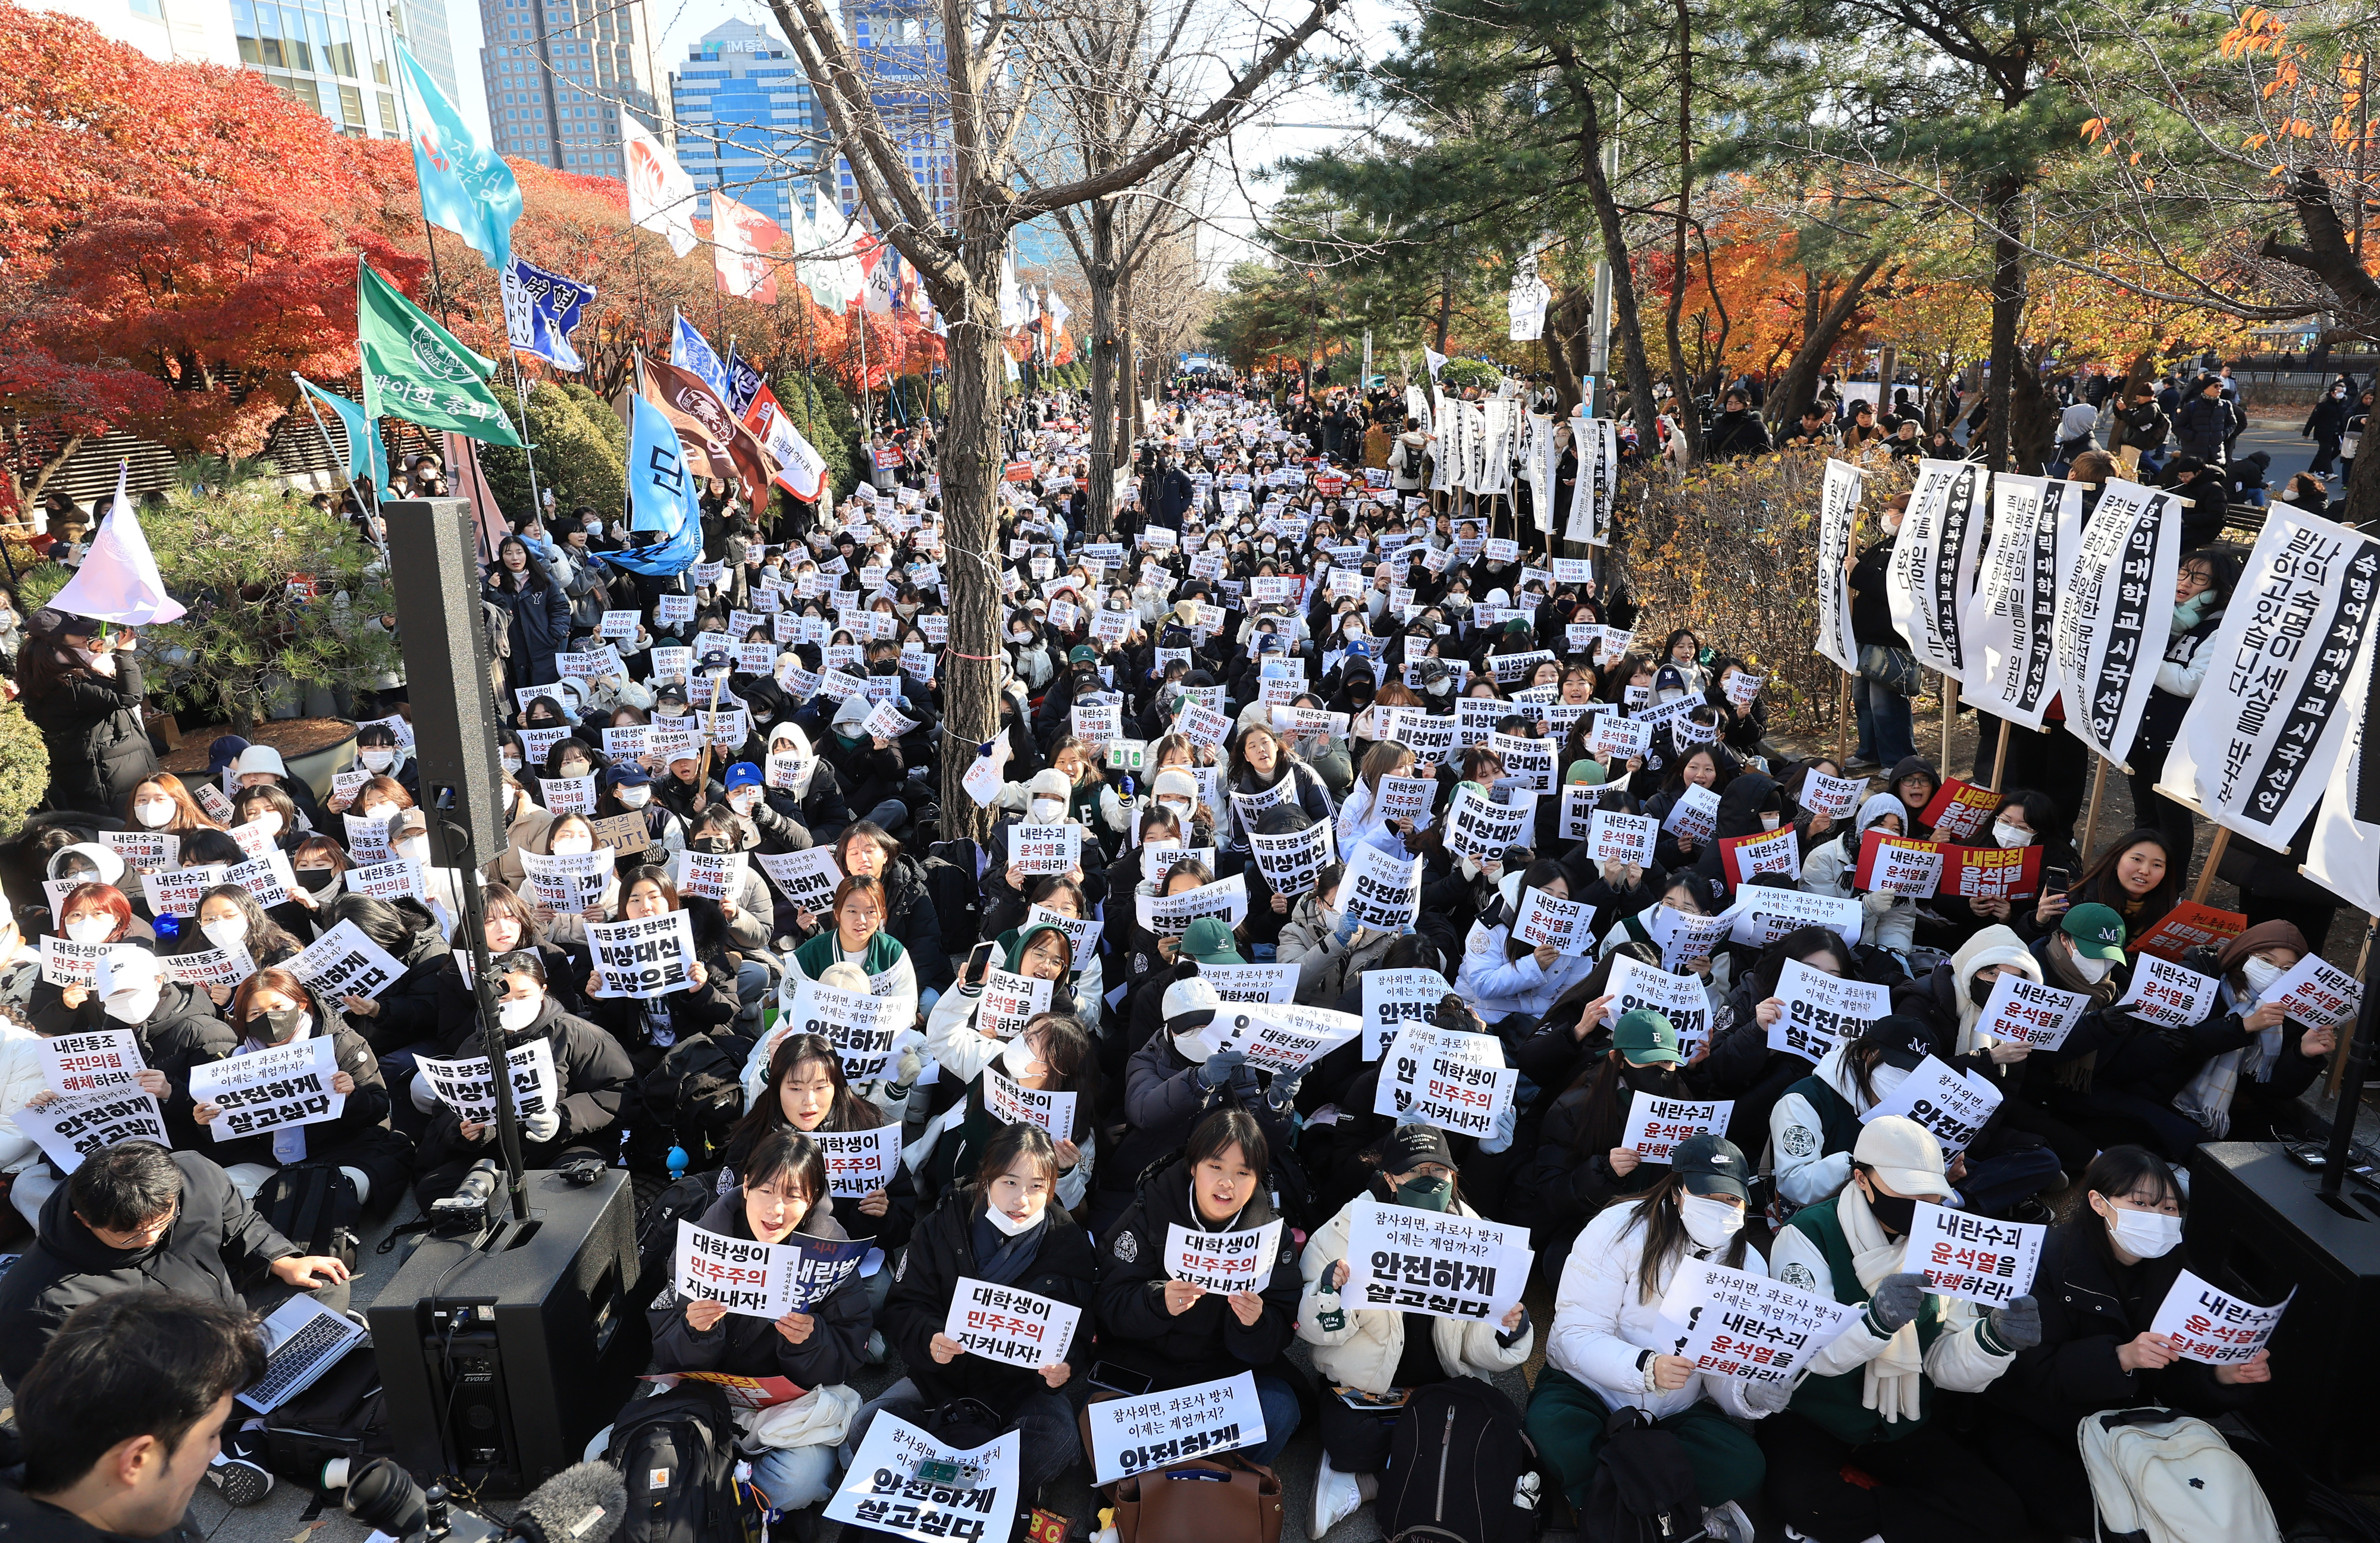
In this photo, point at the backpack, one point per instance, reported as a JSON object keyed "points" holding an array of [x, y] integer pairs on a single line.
{"points": [[1643, 1488], [676, 1451], [341, 1414], [958, 899], [1461, 1468], [688, 1101], [2164, 1477], [315, 1206], [657, 1221]]}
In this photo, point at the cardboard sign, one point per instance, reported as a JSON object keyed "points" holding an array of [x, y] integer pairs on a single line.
{"points": [[643, 959], [1614, 837], [858, 1163], [1898, 864], [1046, 849], [1456, 1081], [1010, 1325], [266, 1090], [463, 1084], [1544, 921], [1958, 811], [1224, 1262], [2026, 1012], [1767, 852], [2211, 1325], [1656, 1126], [1823, 1012], [2189, 926], [2166, 993], [1950, 1103], [1746, 1327], [1973, 1258], [1010, 1103], [1157, 1431], [1441, 1265], [343, 962]]}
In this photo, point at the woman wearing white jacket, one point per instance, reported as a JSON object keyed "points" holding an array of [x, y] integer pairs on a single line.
{"points": [[1605, 1347], [1378, 1355], [1503, 979], [1886, 920]]}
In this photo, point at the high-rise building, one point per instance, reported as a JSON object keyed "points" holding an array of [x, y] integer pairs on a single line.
{"points": [[333, 55], [747, 123], [558, 73], [900, 47]]}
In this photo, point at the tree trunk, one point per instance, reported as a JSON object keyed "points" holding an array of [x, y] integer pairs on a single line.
{"points": [[1570, 315], [2008, 311], [972, 663], [1623, 280], [2032, 436], [1798, 387], [1690, 423]]}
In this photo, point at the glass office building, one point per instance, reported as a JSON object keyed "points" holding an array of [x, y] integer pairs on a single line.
{"points": [[747, 122], [558, 73]]}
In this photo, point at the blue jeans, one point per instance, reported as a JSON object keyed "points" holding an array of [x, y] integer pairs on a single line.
{"points": [[1883, 722], [794, 1478], [1279, 1401], [888, 814]]}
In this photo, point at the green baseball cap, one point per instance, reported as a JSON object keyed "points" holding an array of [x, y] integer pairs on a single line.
{"points": [[2096, 932], [1645, 1036], [1084, 654], [1209, 940]]}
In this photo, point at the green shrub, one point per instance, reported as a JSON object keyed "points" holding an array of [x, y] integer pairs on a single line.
{"points": [[24, 768], [37, 585], [1457, 373], [581, 450]]}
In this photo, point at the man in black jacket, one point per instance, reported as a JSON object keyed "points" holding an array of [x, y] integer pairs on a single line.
{"points": [[120, 1418], [1886, 734], [137, 1216]]}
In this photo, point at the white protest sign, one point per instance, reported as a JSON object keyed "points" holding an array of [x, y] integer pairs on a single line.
{"points": [[646, 958], [1612, 837], [1528, 763], [1082, 935], [858, 1163], [69, 1129], [175, 892], [1156, 1430], [144, 849], [399, 878], [1046, 849], [1395, 997], [1170, 915], [1747, 1326], [1282, 1039], [1823, 1012], [68, 963], [2207, 1324], [854, 1022], [1695, 817], [1223, 1263], [1767, 852], [1618, 739], [1480, 829], [2315, 993], [1834, 797], [209, 966], [1381, 889], [1009, 1101], [1950, 1103], [1252, 982], [1456, 1081], [84, 1064], [343, 962], [710, 875], [1682, 936], [1563, 926], [2026, 1012], [1008, 1003], [763, 1280], [566, 883], [1634, 984], [1656, 1126], [1010, 1325], [1403, 1259], [1973, 1257], [806, 878], [266, 1090], [2169, 994], [464, 1085], [1288, 863], [1763, 914], [566, 795]]}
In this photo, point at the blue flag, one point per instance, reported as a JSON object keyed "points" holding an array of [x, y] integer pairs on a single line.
{"points": [[465, 187], [367, 457], [690, 351], [743, 382], [661, 497], [540, 311]]}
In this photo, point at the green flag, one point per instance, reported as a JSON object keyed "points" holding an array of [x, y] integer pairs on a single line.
{"points": [[416, 371]]}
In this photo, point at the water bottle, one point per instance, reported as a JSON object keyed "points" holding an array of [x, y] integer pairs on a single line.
{"points": [[678, 1164], [1333, 1314]]}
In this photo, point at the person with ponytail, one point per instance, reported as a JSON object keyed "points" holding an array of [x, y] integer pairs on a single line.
{"points": [[1005, 1228], [1604, 1351]]}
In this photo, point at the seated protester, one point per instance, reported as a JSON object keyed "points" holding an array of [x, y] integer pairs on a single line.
{"points": [[870, 768], [92, 873], [1742, 726], [273, 1008], [679, 789], [1268, 911], [2136, 877], [1177, 1334], [1511, 983], [1458, 889], [1062, 895], [1816, 1123], [1382, 1351], [175, 1023], [781, 1192], [120, 1420], [1004, 882], [261, 766], [1706, 766], [591, 1077], [1360, 814], [755, 825], [745, 913], [1330, 947], [1854, 1455], [1579, 1166], [1750, 804], [806, 1092], [136, 1217], [1814, 826], [865, 849], [379, 752], [509, 924], [1266, 771], [857, 938], [1886, 920], [1914, 782], [1604, 1351], [379, 801], [1052, 1053], [1207, 941], [568, 835], [1005, 1228], [405, 1012], [2023, 818], [2103, 1273], [647, 1028], [524, 822], [1690, 894], [814, 802], [270, 811]]}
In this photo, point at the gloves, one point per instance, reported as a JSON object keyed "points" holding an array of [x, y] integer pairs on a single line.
{"points": [[1219, 1067], [1346, 928], [1878, 902], [1283, 1091], [1896, 1302], [1766, 1398], [545, 1125], [1501, 1139], [906, 1073], [2015, 1327]]}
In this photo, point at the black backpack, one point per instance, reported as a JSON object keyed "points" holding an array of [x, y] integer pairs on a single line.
{"points": [[676, 1451], [1643, 1486], [341, 1414], [1461, 1468], [315, 1206], [688, 1101], [958, 897], [657, 1221]]}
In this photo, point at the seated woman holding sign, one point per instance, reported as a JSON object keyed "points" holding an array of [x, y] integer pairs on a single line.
{"points": [[857, 938], [272, 1009], [2106, 1272], [782, 1199], [230, 918], [1583, 1161], [1505, 978], [1819, 1120], [1605, 1350], [1853, 1455], [1049, 1050], [1200, 1282], [510, 924], [1374, 1357], [1005, 1228], [1888, 920], [648, 1027]]}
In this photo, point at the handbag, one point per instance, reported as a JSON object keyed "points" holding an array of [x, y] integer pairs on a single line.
{"points": [[1893, 668], [1207, 1499]]}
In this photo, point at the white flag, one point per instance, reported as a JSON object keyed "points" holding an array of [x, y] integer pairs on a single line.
{"points": [[118, 580], [661, 196]]}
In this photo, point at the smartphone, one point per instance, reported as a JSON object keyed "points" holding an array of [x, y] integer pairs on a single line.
{"points": [[1120, 1380], [978, 963], [2057, 881]]}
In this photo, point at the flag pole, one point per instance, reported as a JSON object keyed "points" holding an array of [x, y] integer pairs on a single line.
{"points": [[323, 429], [535, 505]]}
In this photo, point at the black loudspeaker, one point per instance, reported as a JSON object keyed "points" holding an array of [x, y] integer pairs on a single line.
{"points": [[2258, 1226], [502, 1355], [433, 566]]}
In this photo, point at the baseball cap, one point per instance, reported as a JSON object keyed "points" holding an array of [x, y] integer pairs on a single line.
{"points": [[1646, 1037], [743, 774], [1190, 1003], [1409, 1146], [2096, 932], [1711, 1165], [1905, 1041], [625, 774], [1083, 654], [1210, 942], [1902, 1153]]}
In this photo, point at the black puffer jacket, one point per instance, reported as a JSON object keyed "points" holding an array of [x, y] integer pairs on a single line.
{"points": [[360, 1138], [594, 1072], [1205, 1340], [942, 1251], [744, 1345], [90, 725]]}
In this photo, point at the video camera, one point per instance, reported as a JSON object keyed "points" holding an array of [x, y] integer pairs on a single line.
{"points": [[583, 1503]]}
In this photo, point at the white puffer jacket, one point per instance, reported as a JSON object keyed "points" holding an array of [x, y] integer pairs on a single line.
{"points": [[1603, 1327], [1367, 1352]]}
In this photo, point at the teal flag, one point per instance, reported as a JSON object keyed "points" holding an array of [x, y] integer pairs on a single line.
{"points": [[416, 371], [465, 187], [367, 457]]}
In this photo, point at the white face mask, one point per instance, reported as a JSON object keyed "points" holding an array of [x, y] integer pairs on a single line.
{"points": [[1016, 1058], [376, 760], [414, 849], [131, 1006], [379, 811], [91, 929], [514, 1012], [635, 798], [2008, 835], [1194, 1047], [565, 846], [2261, 973], [1007, 1225], [512, 763], [268, 821], [1770, 822], [1886, 1078], [1708, 1221], [2093, 971], [226, 931], [153, 813], [1046, 810], [2145, 1234]]}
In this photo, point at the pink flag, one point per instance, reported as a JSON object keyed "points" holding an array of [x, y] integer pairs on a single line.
{"points": [[118, 580]]}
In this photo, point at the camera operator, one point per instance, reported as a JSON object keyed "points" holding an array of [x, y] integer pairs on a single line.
{"points": [[122, 1414]]}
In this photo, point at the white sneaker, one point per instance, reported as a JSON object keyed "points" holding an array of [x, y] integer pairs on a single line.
{"points": [[1727, 1524], [1336, 1498]]}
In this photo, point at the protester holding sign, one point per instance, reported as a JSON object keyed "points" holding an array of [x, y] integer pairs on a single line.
{"points": [[1331, 947], [1382, 1352], [1007, 1228], [1172, 1082], [177, 1026], [781, 1193], [1605, 1350], [858, 938], [510, 925], [1816, 1123], [1867, 1397], [2103, 1273], [229, 918], [808, 1092], [1264, 769], [1888, 920], [1582, 1161], [1176, 1332], [270, 1009], [1052, 1053], [1504, 977], [2202, 592]]}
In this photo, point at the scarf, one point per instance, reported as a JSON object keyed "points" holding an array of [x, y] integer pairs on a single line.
{"points": [[1004, 1260], [1894, 1377]]}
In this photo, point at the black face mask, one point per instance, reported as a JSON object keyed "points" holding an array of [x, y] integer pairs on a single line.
{"points": [[1657, 1081], [716, 844], [1980, 991], [1897, 1212]]}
